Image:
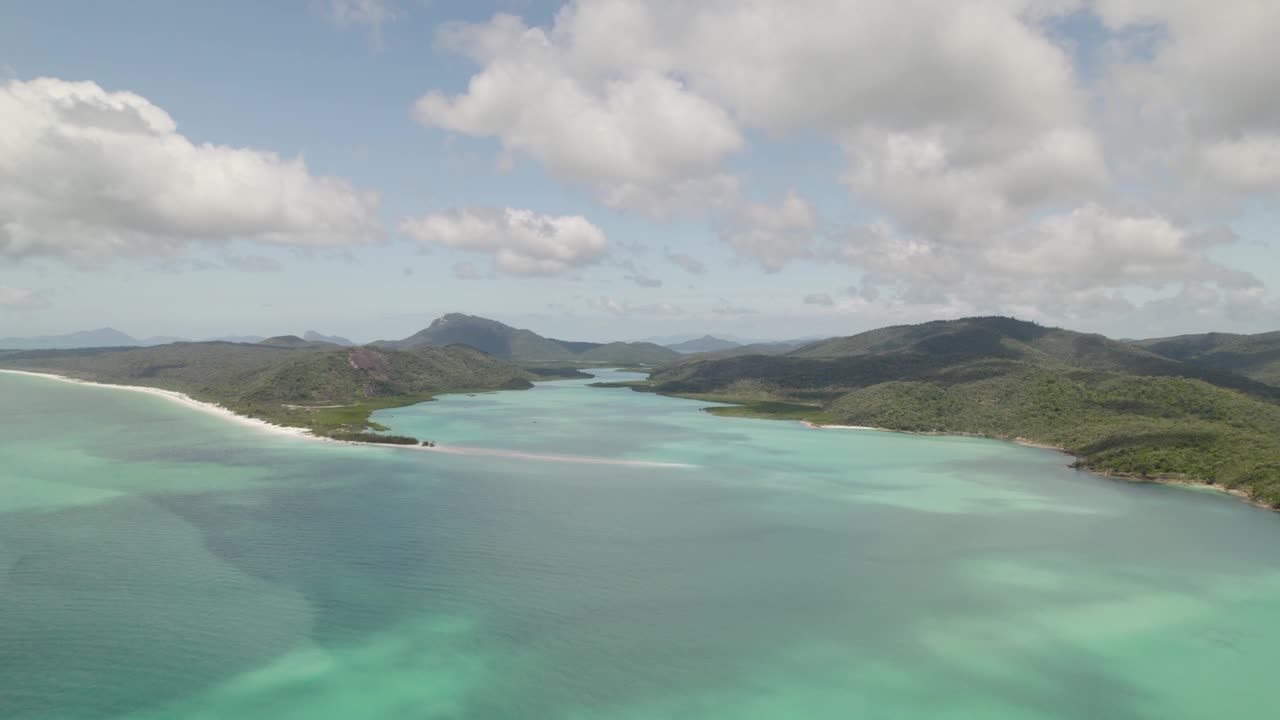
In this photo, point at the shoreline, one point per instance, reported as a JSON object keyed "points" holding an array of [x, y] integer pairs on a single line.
{"points": [[303, 433], [1109, 474], [187, 401]]}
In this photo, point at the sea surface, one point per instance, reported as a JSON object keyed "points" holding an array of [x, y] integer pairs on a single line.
{"points": [[157, 562]]}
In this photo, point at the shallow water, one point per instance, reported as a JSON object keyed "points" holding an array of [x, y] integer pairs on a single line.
{"points": [[159, 563]]}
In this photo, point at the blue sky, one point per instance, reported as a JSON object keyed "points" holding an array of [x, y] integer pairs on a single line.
{"points": [[618, 169]]}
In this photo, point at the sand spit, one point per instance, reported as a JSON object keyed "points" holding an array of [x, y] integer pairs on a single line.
{"points": [[581, 459], [817, 426], [263, 426]]}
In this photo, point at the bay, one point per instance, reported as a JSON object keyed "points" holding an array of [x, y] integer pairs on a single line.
{"points": [[160, 563]]}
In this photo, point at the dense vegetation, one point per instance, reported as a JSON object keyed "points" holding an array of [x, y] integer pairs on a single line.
{"points": [[327, 391], [1254, 356], [1118, 408], [376, 438], [508, 343]]}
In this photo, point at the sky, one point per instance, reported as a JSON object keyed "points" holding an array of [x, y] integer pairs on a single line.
{"points": [[618, 169]]}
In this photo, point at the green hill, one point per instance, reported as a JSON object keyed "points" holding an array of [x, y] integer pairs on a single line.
{"points": [[706, 343], [497, 339], [1117, 407], [297, 343], [525, 346], [1001, 337], [1254, 356], [286, 385], [102, 337]]}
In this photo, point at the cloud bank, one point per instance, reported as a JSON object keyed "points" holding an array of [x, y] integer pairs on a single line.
{"points": [[521, 242], [90, 174], [993, 171]]}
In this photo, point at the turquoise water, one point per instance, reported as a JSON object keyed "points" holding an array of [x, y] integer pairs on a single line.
{"points": [[156, 562]]}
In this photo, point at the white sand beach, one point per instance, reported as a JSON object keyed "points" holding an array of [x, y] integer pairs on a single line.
{"points": [[185, 400], [816, 426]]}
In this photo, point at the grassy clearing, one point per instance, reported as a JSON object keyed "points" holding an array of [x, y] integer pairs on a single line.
{"points": [[773, 410]]}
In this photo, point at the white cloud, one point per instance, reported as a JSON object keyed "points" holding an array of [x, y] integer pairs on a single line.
{"points": [[938, 183], [819, 299], [1250, 163], [16, 298], [1198, 100], [1074, 263], [773, 234], [629, 132], [370, 13], [1094, 247], [521, 242], [975, 124], [995, 176], [89, 174]]}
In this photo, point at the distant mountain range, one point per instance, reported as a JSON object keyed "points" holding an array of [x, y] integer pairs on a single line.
{"points": [[1254, 356], [313, 336], [520, 345], [102, 337], [296, 343], [110, 337], [706, 343]]}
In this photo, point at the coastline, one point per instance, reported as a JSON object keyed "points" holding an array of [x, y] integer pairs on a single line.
{"points": [[186, 401], [1110, 475], [296, 432]]}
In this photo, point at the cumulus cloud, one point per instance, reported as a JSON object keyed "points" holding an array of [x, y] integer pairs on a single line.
{"points": [[90, 174], [773, 234], [1077, 261], [937, 183], [630, 131], [819, 299], [636, 98], [1250, 163], [521, 242], [986, 172], [1199, 100]]}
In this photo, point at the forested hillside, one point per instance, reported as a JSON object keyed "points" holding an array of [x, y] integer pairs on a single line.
{"points": [[286, 385], [1254, 356], [1117, 407]]}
